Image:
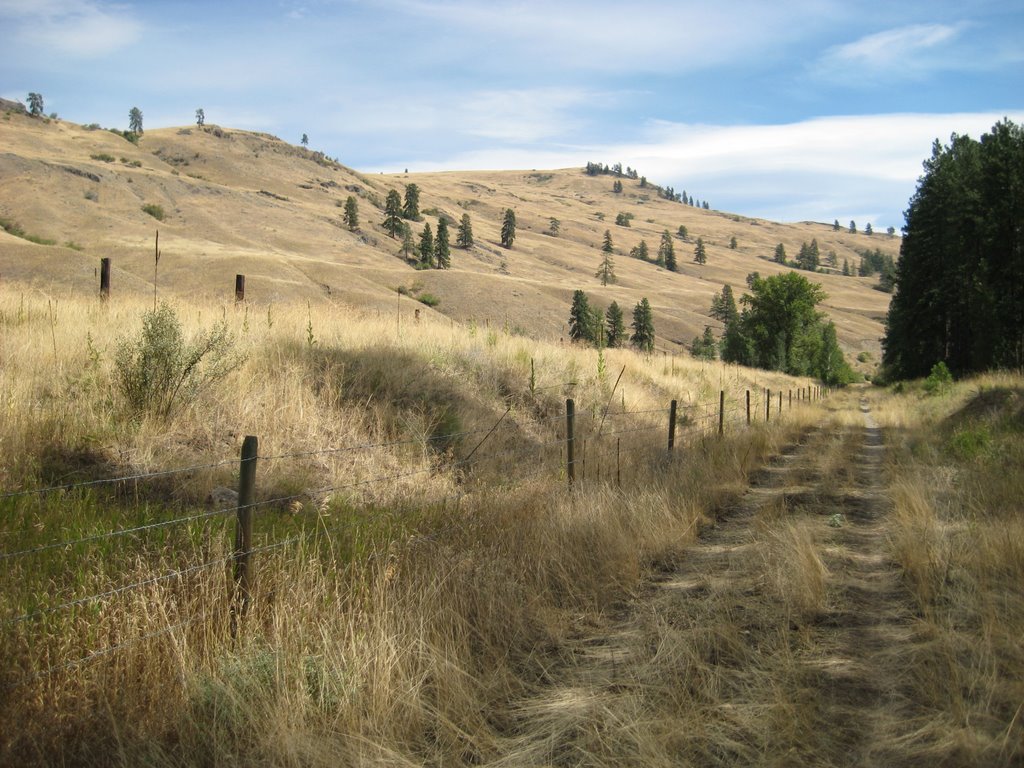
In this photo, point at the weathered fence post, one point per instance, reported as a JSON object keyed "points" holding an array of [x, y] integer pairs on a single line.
{"points": [[618, 462], [780, 402], [767, 405], [104, 279], [672, 425], [748, 407], [791, 399], [570, 440], [239, 288], [721, 412], [243, 530]]}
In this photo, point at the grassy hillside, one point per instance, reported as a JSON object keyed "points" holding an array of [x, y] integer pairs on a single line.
{"points": [[242, 202]]}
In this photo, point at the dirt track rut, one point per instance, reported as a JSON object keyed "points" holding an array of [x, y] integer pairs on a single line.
{"points": [[770, 643]]}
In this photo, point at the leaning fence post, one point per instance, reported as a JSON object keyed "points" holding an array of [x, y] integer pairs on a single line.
{"points": [[104, 279], [243, 530], [570, 447], [672, 425], [748, 407], [721, 412]]}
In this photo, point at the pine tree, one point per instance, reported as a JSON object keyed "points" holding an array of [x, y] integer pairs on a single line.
{"points": [[683, 233], [35, 104], [853, 227], [614, 326], [508, 228], [411, 208], [464, 237], [408, 244], [723, 306], [704, 347], [442, 248], [581, 327], [617, 186], [200, 117], [640, 251], [699, 253], [606, 271], [135, 121], [835, 225], [643, 326], [426, 247], [733, 243], [393, 213], [780, 253], [846, 268], [667, 252], [351, 215], [868, 230]]}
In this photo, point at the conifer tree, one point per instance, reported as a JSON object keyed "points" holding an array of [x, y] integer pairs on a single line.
{"points": [[393, 213], [606, 271], [853, 227], [643, 326], [581, 327], [835, 225], [780, 253], [667, 252], [699, 253], [408, 243], [733, 243], [35, 104], [614, 326], [135, 121], [464, 237], [426, 246], [351, 215], [723, 306], [442, 247], [640, 251], [683, 233], [508, 228], [411, 208]]}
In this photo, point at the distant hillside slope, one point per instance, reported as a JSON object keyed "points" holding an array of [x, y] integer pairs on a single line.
{"points": [[242, 202]]}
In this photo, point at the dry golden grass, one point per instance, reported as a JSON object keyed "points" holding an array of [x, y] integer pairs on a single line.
{"points": [[249, 203]]}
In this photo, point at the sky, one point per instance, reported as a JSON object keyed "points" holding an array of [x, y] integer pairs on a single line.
{"points": [[793, 110]]}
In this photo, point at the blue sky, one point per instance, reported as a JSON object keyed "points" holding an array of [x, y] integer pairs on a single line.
{"points": [[803, 110]]}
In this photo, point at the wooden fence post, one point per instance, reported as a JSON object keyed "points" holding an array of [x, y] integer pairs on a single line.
{"points": [[243, 530], [791, 399], [672, 425], [748, 407], [767, 405], [780, 402], [104, 279], [239, 288], [721, 412], [570, 440], [618, 462]]}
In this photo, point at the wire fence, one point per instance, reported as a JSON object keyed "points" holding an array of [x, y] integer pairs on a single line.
{"points": [[583, 448]]}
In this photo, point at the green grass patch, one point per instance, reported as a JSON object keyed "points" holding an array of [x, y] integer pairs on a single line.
{"points": [[103, 157], [154, 210]]}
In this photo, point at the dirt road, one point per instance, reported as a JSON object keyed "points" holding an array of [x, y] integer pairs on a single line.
{"points": [[769, 642]]}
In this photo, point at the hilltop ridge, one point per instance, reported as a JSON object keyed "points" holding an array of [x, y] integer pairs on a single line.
{"points": [[237, 201]]}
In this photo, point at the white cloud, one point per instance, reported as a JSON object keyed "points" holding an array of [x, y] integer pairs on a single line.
{"points": [[862, 167], [643, 36], [900, 53], [78, 28]]}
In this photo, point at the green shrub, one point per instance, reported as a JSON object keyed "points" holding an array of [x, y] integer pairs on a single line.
{"points": [[154, 210], [429, 299], [938, 380], [103, 157], [159, 370]]}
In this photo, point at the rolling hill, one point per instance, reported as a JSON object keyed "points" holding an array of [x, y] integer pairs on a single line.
{"points": [[242, 202]]}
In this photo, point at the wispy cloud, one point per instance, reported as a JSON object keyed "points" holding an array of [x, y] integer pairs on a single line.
{"points": [[896, 53], [863, 167], [78, 28]]}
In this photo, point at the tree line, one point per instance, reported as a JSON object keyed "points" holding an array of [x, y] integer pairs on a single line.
{"points": [[959, 290]]}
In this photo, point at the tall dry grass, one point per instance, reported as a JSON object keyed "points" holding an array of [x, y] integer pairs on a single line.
{"points": [[414, 597], [959, 537]]}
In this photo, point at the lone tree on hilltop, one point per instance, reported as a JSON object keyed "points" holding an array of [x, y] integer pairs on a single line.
{"points": [[135, 121], [508, 228], [442, 247], [200, 117], [35, 104], [305, 140], [393, 213], [643, 326], [351, 216], [411, 209], [464, 237]]}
